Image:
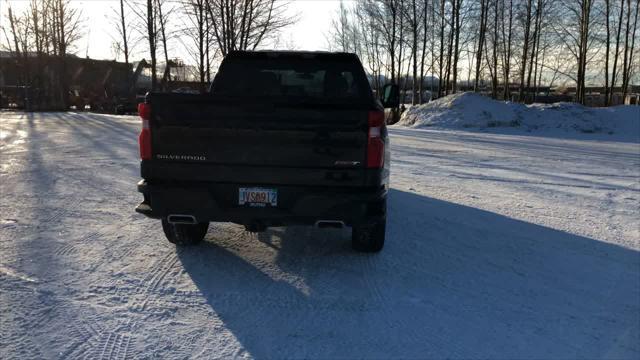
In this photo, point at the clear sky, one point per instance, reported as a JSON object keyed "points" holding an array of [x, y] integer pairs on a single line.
{"points": [[307, 34]]}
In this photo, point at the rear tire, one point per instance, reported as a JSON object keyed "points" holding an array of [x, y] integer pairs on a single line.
{"points": [[184, 234], [370, 237]]}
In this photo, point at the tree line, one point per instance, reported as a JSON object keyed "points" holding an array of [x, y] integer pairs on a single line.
{"points": [[508, 48], [207, 30], [45, 32]]}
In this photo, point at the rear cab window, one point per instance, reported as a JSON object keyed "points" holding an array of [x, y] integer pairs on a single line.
{"points": [[296, 78]]}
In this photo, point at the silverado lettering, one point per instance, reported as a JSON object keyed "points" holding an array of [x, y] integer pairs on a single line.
{"points": [[181, 157]]}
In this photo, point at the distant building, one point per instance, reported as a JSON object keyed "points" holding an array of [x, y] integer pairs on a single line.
{"points": [[38, 83], [53, 83]]}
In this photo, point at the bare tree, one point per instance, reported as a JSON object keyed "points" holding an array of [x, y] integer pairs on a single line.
{"points": [[197, 30], [525, 49], [147, 27], [152, 37], [484, 11], [207, 27], [125, 40], [616, 54], [506, 59], [245, 24], [628, 47], [537, 31], [341, 32], [401, 10], [163, 16], [583, 46], [66, 27], [371, 40], [537, 66], [494, 56], [456, 48], [607, 51], [452, 32], [14, 32], [441, 57], [414, 23], [424, 48]]}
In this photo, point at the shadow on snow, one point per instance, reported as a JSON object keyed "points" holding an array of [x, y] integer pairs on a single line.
{"points": [[453, 281]]}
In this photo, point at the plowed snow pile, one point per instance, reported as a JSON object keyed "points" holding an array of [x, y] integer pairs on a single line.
{"points": [[469, 110]]}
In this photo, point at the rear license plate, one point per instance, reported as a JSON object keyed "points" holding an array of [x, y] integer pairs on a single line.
{"points": [[259, 197]]}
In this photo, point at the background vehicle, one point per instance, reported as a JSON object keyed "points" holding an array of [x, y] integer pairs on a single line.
{"points": [[282, 138]]}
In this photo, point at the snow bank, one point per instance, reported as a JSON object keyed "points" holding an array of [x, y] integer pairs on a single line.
{"points": [[470, 110]]}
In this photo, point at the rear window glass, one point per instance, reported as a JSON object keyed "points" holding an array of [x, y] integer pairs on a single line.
{"points": [[294, 79]]}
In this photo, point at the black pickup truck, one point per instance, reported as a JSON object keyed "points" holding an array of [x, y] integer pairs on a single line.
{"points": [[281, 138]]}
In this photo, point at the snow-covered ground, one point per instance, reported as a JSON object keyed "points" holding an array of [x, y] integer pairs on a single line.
{"points": [[561, 120], [498, 246]]}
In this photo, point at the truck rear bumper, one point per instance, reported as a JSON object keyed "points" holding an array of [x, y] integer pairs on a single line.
{"points": [[296, 204]]}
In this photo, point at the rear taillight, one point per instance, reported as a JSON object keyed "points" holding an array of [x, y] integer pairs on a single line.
{"points": [[375, 144], [144, 140]]}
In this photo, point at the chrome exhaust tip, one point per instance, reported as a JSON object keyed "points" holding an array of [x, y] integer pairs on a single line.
{"points": [[181, 219]]}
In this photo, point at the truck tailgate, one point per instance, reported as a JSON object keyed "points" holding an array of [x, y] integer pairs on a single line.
{"points": [[195, 137]]}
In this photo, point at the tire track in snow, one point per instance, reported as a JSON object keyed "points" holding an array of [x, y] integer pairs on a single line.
{"points": [[13, 346], [160, 274], [106, 346], [143, 293], [66, 249], [84, 335], [382, 302], [60, 212], [71, 247], [372, 265]]}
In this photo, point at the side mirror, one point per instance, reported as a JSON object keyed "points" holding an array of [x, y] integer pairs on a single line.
{"points": [[390, 96]]}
